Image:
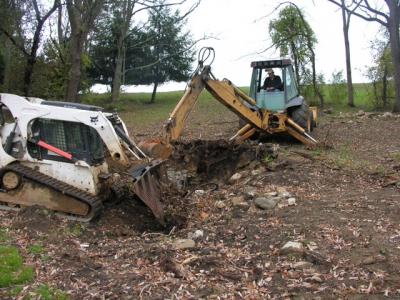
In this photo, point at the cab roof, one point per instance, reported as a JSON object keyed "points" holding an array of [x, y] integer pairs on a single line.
{"points": [[274, 63]]}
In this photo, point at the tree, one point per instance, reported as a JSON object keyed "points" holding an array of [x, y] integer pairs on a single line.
{"points": [[293, 36], [103, 54], [381, 70], [169, 50], [346, 16], [390, 20], [20, 35], [82, 15]]}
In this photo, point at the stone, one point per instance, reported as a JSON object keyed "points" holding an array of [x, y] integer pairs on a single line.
{"points": [[198, 234], [292, 248], [239, 202], [360, 113], [250, 191], [285, 194], [220, 204], [257, 172], [328, 111], [281, 190], [315, 279], [387, 114], [184, 244], [266, 203], [235, 177], [302, 265], [374, 259], [272, 194], [291, 201], [199, 192]]}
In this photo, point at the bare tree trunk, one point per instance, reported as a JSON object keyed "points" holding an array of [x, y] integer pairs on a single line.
{"points": [[153, 95], [31, 61], [296, 64], [384, 87], [82, 15], [116, 84], [74, 76], [393, 26], [346, 25], [7, 67], [314, 79], [128, 6], [59, 25]]}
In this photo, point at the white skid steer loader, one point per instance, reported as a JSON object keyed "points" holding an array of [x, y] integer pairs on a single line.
{"points": [[57, 155]]}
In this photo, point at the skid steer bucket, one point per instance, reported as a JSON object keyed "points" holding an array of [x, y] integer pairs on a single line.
{"points": [[147, 183]]}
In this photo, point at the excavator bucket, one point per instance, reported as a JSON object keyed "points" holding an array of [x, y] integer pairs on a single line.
{"points": [[147, 182]]}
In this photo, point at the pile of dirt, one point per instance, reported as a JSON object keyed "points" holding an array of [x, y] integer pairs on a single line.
{"points": [[216, 159], [35, 219]]}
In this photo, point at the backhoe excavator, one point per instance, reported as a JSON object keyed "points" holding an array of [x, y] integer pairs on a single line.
{"points": [[283, 111], [57, 155]]}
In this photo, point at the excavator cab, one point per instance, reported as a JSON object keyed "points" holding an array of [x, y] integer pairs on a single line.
{"points": [[287, 99], [278, 100]]}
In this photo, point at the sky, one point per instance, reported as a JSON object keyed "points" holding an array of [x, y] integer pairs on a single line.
{"points": [[240, 31]]}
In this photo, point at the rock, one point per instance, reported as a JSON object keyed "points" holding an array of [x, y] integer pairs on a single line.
{"points": [[235, 177], [291, 201], [272, 194], [257, 172], [328, 111], [238, 201], [250, 191], [281, 190], [220, 204], [285, 194], [374, 259], [184, 244], [360, 113], [292, 248], [266, 203], [302, 265], [198, 234], [387, 114], [315, 258], [199, 192], [315, 279]]}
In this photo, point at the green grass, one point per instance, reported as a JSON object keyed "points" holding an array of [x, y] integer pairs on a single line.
{"points": [[75, 230], [362, 98], [47, 293], [3, 235], [12, 269], [36, 249], [134, 108], [396, 156]]}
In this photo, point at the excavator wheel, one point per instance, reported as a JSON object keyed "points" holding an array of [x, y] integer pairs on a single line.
{"points": [[300, 115]]}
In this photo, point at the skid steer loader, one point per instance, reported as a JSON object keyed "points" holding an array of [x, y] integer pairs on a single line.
{"points": [[57, 155], [283, 111]]}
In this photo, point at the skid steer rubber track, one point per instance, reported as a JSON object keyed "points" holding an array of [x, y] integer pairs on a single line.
{"points": [[66, 200]]}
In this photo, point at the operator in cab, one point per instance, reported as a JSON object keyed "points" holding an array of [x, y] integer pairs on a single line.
{"points": [[273, 82]]}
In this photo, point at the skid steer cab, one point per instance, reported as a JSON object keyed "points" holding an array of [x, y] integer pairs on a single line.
{"points": [[273, 86], [67, 157]]}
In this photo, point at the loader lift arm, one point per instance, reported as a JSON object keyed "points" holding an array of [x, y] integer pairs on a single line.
{"points": [[236, 101]]}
